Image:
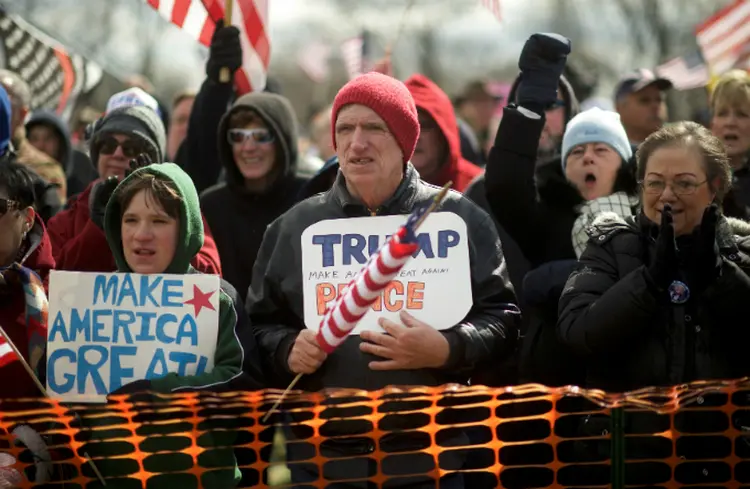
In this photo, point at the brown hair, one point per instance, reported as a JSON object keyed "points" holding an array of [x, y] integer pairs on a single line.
{"points": [[158, 189], [694, 135], [244, 117], [732, 89], [181, 96]]}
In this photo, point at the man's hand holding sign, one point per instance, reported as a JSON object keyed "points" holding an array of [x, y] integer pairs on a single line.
{"points": [[411, 346]]}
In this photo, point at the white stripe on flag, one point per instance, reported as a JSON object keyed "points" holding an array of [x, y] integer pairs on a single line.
{"points": [[5, 349], [166, 7], [195, 19], [251, 62]]}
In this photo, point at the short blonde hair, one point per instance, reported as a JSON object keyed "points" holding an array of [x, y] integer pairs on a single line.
{"points": [[731, 90]]}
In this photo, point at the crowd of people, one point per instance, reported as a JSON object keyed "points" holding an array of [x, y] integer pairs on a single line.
{"points": [[607, 248]]}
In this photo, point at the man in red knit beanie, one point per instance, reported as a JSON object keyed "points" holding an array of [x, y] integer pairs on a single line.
{"points": [[370, 114], [375, 130]]}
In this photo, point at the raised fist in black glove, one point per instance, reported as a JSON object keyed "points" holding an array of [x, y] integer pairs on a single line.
{"points": [[705, 260], [542, 63], [663, 269], [98, 198], [225, 52], [103, 190], [139, 161]]}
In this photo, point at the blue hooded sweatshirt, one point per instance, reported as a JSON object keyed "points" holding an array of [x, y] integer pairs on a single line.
{"points": [[4, 121]]}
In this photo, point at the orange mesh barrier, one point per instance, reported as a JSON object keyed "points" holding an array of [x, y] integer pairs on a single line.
{"points": [[519, 437]]}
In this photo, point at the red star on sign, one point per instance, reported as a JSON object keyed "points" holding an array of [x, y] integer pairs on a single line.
{"points": [[200, 300]]}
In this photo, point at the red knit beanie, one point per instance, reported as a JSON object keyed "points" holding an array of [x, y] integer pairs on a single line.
{"points": [[387, 97]]}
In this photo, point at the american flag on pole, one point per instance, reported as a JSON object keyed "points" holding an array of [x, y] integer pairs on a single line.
{"points": [[494, 7], [685, 72], [367, 286], [55, 77], [352, 54], [724, 38], [198, 18], [313, 59]]}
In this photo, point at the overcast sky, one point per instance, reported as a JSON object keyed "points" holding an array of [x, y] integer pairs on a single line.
{"points": [[470, 37]]}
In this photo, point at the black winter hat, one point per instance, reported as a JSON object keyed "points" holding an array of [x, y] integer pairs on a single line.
{"points": [[138, 121]]}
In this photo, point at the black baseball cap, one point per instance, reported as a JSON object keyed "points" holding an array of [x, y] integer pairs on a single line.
{"points": [[638, 80]]}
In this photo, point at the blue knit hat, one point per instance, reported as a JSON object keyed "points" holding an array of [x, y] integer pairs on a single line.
{"points": [[596, 126]]}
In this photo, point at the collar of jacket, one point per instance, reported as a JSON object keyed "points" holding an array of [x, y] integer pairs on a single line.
{"points": [[401, 202], [609, 224]]}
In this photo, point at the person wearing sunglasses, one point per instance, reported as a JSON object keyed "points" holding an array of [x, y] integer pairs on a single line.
{"points": [[259, 155], [659, 298], [123, 135]]}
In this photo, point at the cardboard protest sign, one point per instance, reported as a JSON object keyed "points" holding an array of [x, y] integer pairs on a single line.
{"points": [[434, 286], [106, 330]]}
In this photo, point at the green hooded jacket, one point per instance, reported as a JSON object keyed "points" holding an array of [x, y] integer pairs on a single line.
{"points": [[228, 366]]}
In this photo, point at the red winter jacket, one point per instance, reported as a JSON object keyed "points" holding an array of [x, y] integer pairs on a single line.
{"points": [[80, 245], [15, 381], [430, 98]]}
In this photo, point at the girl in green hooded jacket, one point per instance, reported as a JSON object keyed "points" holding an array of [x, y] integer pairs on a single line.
{"points": [[153, 225]]}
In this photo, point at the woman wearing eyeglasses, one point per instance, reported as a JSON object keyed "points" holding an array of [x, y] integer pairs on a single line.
{"points": [[658, 298], [25, 262], [259, 154]]}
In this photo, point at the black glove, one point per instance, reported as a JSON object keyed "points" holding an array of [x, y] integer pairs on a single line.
{"points": [[542, 63], [663, 269], [225, 51], [139, 161], [100, 195], [705, 262], [103, 190]]}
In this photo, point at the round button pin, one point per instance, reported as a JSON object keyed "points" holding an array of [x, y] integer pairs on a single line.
{"points": [[679, 293]]}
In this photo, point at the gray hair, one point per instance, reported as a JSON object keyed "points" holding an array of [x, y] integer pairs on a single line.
{"points": [[18, 90]]}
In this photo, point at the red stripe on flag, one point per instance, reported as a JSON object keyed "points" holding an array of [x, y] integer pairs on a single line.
{"points": [[358, 299], [333, 328], [179, 11], [215, 9], [207, 33], [256, 31], [242, 82], [69, 78], [348, 316], [154, 3]]}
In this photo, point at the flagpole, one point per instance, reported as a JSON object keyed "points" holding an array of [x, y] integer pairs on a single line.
{"points": [[224, 75], [435, 202], [402, 24], [39, 385]]}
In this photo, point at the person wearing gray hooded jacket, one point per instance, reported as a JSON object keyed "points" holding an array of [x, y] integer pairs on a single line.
{"points": [[257, 147]]}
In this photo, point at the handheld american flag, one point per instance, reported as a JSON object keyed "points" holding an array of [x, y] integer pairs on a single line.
{"points": [[369, 283], [198, 18], [367, 286]]}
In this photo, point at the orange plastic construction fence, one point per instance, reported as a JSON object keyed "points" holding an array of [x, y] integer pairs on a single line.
{"points": [[516, 437]]}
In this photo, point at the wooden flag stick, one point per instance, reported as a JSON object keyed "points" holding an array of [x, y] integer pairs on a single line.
{"points": [[41, 388], [401, 25], [281, 398], [435, 202], [225, 75]]}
